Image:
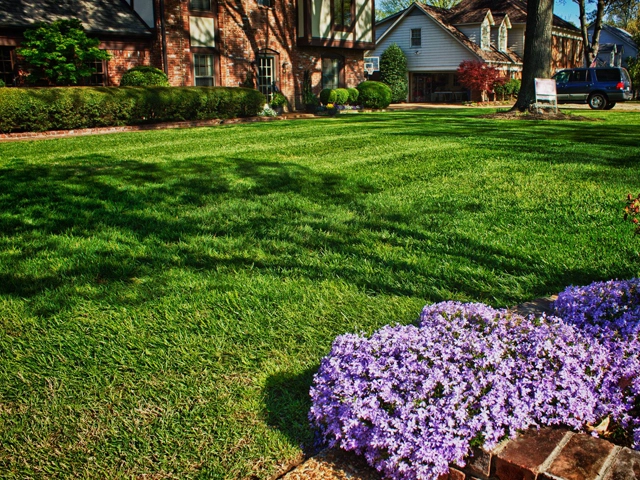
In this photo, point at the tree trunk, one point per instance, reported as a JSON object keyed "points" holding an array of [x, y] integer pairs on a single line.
{"points": [[591, 47], [537, 50]]}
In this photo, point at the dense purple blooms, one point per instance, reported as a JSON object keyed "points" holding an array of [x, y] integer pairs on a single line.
{"points": [[610, 312], [413, 399]]}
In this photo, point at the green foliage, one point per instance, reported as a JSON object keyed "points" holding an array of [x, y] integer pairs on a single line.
{"points": [[633, 67], [278, 100], [353, 96], [144, 76], [308, 98], [2, 84], [374, 94], [389, 7], [342, 96], [328, 95], [60, 53], [507, 89], [393, 72], [28, 109]]}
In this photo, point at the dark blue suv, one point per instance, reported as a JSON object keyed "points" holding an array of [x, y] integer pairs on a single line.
{"points": [[601, 88]]}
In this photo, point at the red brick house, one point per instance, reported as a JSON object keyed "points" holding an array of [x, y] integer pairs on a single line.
{"points": [[212, 42]]}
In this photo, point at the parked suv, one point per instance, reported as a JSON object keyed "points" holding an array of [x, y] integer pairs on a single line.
{"points": [[601, 88]]}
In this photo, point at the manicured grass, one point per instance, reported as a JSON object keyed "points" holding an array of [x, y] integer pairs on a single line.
{"points": [[165, 297]]}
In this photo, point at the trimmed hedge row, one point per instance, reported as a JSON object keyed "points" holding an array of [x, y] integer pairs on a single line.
{"points": [[64, 108]]}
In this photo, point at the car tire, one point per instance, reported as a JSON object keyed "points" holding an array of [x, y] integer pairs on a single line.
{"points": [[597, 101], [610, 105]]}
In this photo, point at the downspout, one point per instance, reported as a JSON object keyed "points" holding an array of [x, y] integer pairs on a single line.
{"points": [[163, 30]]}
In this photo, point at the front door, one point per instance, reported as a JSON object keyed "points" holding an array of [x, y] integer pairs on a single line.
{"points": [[266, 75], [421, 88]]}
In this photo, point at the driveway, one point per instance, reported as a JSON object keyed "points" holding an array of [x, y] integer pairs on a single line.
{"points": [[625, 106]]}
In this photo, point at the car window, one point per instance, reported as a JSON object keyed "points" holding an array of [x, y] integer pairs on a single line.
{"points": [[562, 77], [625, 76], [607, 74], [579, 76]]}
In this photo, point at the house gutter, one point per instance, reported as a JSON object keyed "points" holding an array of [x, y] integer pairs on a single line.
{"points": [[163, 30]]}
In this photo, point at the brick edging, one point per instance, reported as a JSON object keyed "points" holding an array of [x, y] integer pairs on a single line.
{"points": [[550, 454]]}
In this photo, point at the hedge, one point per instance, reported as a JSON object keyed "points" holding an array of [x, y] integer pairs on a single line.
{"points": [[63, 108], [144, 76], [374, 94]]}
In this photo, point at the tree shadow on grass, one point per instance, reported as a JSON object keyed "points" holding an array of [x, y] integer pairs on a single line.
{"points": [[287, 403]]}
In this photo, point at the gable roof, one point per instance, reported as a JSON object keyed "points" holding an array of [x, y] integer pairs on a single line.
{"points": [[623, 35], [468, 11], [97, 16], [439, 16]]}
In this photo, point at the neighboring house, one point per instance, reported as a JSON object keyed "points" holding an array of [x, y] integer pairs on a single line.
{"points": [[436, 41], [206, 42], [616, 46]]}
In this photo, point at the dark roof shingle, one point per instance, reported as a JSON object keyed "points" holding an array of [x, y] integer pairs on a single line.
{"points": [[97, 16]]}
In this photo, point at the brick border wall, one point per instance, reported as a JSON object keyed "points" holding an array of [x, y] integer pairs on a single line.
{"points": [[551, 454]]}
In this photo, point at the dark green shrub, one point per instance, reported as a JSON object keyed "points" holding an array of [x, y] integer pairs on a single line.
{"points": [[342, 96], [374, 94], [308, 98], [144, 76], [353, 96], [278, 100], [327, 95], [393, 72], [40, 109]]}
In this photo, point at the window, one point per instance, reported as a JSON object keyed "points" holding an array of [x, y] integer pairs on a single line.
{"points": [[203, 70], [502, 38], [416, 37], [342, 13], [608, 74], [331, 69], [202, 5], [99, 77], [6, 65], [579, 76], [266, 75], [485, 39]]}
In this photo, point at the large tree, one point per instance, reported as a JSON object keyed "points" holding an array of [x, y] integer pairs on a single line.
{"points": [[591, 44], [624, 14], [60, 53], [537, 50], [388, 7]]}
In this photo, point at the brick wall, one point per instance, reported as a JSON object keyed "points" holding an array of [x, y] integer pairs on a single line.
{"points": [[244, 29], [123, 60]]}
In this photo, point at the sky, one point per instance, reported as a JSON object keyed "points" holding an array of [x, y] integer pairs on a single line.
{"points": [[568, 10]]}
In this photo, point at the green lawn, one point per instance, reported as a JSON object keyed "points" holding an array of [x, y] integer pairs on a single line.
{"points": [[166, 296]]}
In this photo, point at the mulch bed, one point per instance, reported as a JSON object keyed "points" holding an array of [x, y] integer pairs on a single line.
{"points": [[510, 115]]}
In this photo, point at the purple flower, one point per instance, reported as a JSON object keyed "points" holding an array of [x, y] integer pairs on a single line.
{"points": [[413, 399]]}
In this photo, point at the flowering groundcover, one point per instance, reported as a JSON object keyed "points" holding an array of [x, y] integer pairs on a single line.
{"points": [[413, 399]]}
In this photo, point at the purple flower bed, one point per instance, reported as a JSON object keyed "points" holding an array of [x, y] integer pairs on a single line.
{"points": [[413, 399], [610, 312]]}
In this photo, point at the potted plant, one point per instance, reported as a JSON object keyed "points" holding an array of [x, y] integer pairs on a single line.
{"points": [[278, 102]]}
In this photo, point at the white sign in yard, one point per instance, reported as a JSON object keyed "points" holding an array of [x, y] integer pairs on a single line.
{"points": [[546, 94]]}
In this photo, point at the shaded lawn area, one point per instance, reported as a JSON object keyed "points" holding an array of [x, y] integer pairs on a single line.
{"points": [[166, 296]]}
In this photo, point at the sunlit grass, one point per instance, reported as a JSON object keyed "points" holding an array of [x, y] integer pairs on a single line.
{"points": [[166, 296]]}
